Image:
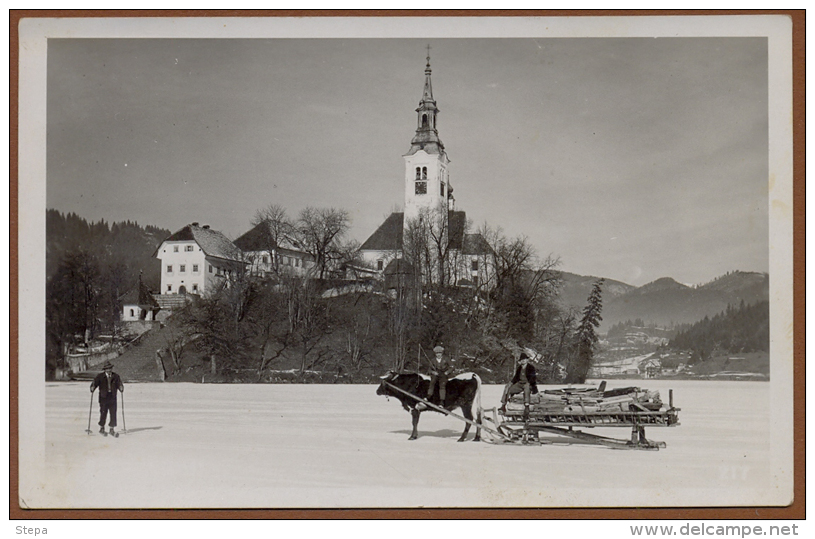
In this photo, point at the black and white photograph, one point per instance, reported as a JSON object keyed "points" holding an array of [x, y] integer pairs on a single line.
{"points": [[405, 262]]}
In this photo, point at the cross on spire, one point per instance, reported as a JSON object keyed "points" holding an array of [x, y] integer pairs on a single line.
{"points": [[428, 55]]}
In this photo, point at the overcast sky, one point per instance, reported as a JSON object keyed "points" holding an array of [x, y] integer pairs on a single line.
{"points": [[632, 159]]}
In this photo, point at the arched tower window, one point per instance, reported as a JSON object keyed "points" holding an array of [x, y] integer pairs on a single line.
{"points": [[424, 121], [424, 173], [418, 173]]}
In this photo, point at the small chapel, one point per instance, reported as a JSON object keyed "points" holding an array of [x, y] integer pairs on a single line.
{"points": [[429, 197]]}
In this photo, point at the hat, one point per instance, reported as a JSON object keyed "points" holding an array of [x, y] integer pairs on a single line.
{"points": [[107, 365], [438, 349], [523, 356]]}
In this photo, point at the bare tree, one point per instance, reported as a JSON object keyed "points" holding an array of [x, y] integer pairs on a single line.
{"points": [[438, 235], [176, 339], [321, 231], [306, 316], [269, 327], [277, 230], [358, 332]]}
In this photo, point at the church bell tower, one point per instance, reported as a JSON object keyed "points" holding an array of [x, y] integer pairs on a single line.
{"points": [[427, 183]]}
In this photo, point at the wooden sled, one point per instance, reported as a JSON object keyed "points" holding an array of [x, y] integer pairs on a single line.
{"points": [[574, 415]]}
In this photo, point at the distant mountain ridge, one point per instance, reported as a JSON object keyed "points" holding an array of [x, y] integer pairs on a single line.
{"points": [[665, 301]]}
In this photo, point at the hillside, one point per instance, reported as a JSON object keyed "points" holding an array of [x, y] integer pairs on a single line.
{"points": [[576, 288], [666, 302], [125, 243]]}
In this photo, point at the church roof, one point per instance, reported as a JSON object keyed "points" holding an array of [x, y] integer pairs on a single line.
{"points": [[212, 242], [476, 244], [388, 237], [456, 221], [424, 141], [427, 137]]}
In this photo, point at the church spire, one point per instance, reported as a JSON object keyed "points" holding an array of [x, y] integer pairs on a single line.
{"points": [[427, 136], [427, 95]]}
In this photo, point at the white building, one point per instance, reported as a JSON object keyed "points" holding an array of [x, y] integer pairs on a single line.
{"points": [[139, 305], [197, 260]]}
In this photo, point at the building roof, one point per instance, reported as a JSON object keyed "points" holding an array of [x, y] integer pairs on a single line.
{"points": [[212, 242], [399, 266], [388, 237], [170, 302], [259, 239], [140, 296]]}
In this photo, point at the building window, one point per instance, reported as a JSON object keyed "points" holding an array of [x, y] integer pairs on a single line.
{"points": [[424, 173], [169, 268], [380, 265], [441, 193], [195, 268], [475, 280], [182, 268], [169, 288], [474, 264], [421, 188], [188, 248], [265, 259], [195, 287], [132, 313], [210, 268], [418, 173], [175, 248]]}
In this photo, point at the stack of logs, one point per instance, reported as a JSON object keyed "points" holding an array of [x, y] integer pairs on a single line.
{"points": [[588, 400]]}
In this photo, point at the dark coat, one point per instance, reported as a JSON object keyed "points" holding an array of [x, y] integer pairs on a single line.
{"points": [[101, 381], [531, 376], [445, 367]]}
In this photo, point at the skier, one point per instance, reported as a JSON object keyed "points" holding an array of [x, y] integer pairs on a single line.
{"points": [[108, 383]]}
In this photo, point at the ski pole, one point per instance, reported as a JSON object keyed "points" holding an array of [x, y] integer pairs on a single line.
{"points": [[90, 411], [124, 421]]}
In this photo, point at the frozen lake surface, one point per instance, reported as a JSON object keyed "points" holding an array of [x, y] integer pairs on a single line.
{"points": [[300, 446]]}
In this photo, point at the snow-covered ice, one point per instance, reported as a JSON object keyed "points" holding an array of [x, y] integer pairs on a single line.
{"points": [[299, 446]]}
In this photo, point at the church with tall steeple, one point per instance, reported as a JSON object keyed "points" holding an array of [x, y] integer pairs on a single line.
{"points": [[427, 182], [428, 194]]}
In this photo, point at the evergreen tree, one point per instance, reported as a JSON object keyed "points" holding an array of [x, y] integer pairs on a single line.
{"points": [[586, 336]]}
